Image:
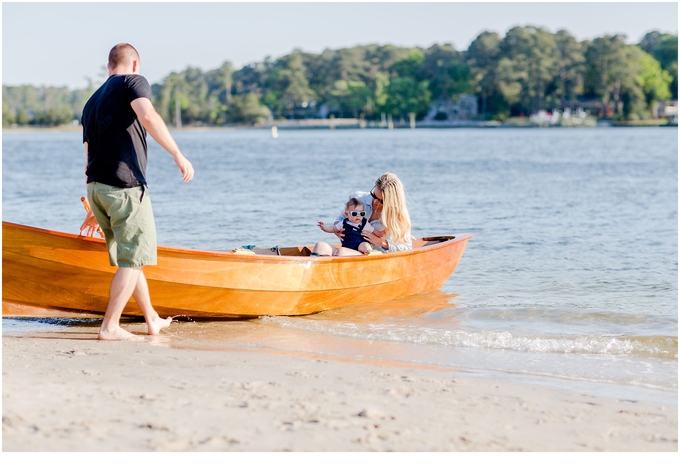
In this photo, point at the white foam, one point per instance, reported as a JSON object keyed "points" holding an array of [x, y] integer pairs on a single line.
{"points": [[503, 340]]}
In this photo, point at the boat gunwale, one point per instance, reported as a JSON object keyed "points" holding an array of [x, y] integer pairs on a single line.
{"points": [[255, 256]]}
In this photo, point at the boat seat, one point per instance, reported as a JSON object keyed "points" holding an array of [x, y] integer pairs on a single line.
{"points": [[429, 241]]}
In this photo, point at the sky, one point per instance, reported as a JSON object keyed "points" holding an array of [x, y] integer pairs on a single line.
{"points": [[62, 44]]}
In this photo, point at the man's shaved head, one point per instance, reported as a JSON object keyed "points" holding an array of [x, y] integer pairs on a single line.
{"points": [[122, 54]]}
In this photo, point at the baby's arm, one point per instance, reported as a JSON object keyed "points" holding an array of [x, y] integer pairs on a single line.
{"points": [[325, 228]]}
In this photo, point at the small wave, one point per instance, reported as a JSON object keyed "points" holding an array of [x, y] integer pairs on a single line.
{"points": [[602, 344]]}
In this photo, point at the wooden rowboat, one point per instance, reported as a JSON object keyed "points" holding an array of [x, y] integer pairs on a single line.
{"points": [[49, 269]]}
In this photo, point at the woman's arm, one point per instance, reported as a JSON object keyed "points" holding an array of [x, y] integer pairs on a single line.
{"points": [[375, 240], [384, 243], [399, 247]]}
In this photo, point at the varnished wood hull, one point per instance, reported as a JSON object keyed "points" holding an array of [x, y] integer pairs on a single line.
{"points": [[57, 270]]}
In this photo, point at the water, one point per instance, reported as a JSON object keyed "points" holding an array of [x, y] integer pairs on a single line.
{"points": [[571, 277]]}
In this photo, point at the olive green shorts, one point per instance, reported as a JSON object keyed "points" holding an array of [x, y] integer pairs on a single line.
{"points": [[125, 216]]}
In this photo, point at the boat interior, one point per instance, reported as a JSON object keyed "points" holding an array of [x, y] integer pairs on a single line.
{"points": [[307, 250]]}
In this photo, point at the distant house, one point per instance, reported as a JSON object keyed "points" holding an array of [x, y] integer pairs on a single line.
{"points": [[462, 107], [669, 110], [595, 107], [324, 111]]}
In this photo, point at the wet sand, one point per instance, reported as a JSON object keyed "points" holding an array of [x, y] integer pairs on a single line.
{"points": [[79, 394]]}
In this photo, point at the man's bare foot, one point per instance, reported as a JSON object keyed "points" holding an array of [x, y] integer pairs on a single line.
{"points": [[156, 325], [117, 334]]}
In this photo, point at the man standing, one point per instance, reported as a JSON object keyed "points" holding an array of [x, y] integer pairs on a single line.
{"points": [[115, 121]]}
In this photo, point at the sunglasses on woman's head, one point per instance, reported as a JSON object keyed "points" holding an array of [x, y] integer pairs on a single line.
{"points": [[376, 198], [355, 213]]}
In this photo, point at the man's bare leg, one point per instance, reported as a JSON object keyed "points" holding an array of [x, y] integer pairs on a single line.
{"points": [[122, 286], [154, 322]]}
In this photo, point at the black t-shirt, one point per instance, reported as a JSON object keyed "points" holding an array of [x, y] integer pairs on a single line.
{"points": [[116, 140]]}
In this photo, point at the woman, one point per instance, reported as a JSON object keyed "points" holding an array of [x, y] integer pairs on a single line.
{"points": [[385, 207]]}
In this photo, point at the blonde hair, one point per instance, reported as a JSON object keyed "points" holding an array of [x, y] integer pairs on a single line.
{"points": [[395, 216]]}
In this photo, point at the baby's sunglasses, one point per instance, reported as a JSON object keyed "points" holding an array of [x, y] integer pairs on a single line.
{"points": [[355, 213]]}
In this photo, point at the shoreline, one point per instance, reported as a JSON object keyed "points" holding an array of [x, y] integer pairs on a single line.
{"points": [[293, 127], [81, 394]]}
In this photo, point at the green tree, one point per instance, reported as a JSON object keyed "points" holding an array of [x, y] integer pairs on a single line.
{"points": [[173, 90], [370, 64], [219, 82], [410, 65], [353, 95], [382, 81], [650, 41], [78, 100], [22, 117], [612, 73], [482, 56], [570, 63], [673, 72], [292, 81], [53, 116], [510, 77], [447, 73], [526, 70], [247, 109], [406, 95], [664, 48], [7, 115], [532, 52], [654, 80]]}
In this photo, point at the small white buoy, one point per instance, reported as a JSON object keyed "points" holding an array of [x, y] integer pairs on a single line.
{"points": [[275, 132]]}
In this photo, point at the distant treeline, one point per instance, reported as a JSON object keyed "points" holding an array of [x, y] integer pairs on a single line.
{"points": [[528, 70]]}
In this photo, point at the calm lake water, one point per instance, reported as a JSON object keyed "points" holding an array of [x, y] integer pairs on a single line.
{"points": [[570, 279]]}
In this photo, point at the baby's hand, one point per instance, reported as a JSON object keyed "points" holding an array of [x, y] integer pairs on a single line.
{"points": [[380, 233], [322, 226]]}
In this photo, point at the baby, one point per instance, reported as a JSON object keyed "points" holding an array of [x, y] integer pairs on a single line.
{"points": [[353, 224]]}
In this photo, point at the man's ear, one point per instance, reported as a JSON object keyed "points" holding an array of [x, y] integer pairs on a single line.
{"points": [[135, 66]]}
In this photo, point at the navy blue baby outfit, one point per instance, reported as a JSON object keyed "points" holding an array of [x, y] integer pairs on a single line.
{"points": [[353, 238]]}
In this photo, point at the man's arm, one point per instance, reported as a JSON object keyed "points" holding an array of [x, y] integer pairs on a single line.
{"points": [[154, 124]]}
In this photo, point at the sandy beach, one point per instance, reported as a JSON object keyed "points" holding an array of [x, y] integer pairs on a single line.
{"points": [[79, 394]]}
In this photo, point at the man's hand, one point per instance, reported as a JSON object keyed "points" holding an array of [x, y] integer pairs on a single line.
{"points": [[185, 167], [90, 225]]}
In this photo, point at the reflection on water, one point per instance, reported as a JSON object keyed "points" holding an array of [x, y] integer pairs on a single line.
{"points": [[424, 330], [409, 308], [22, 319]]}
